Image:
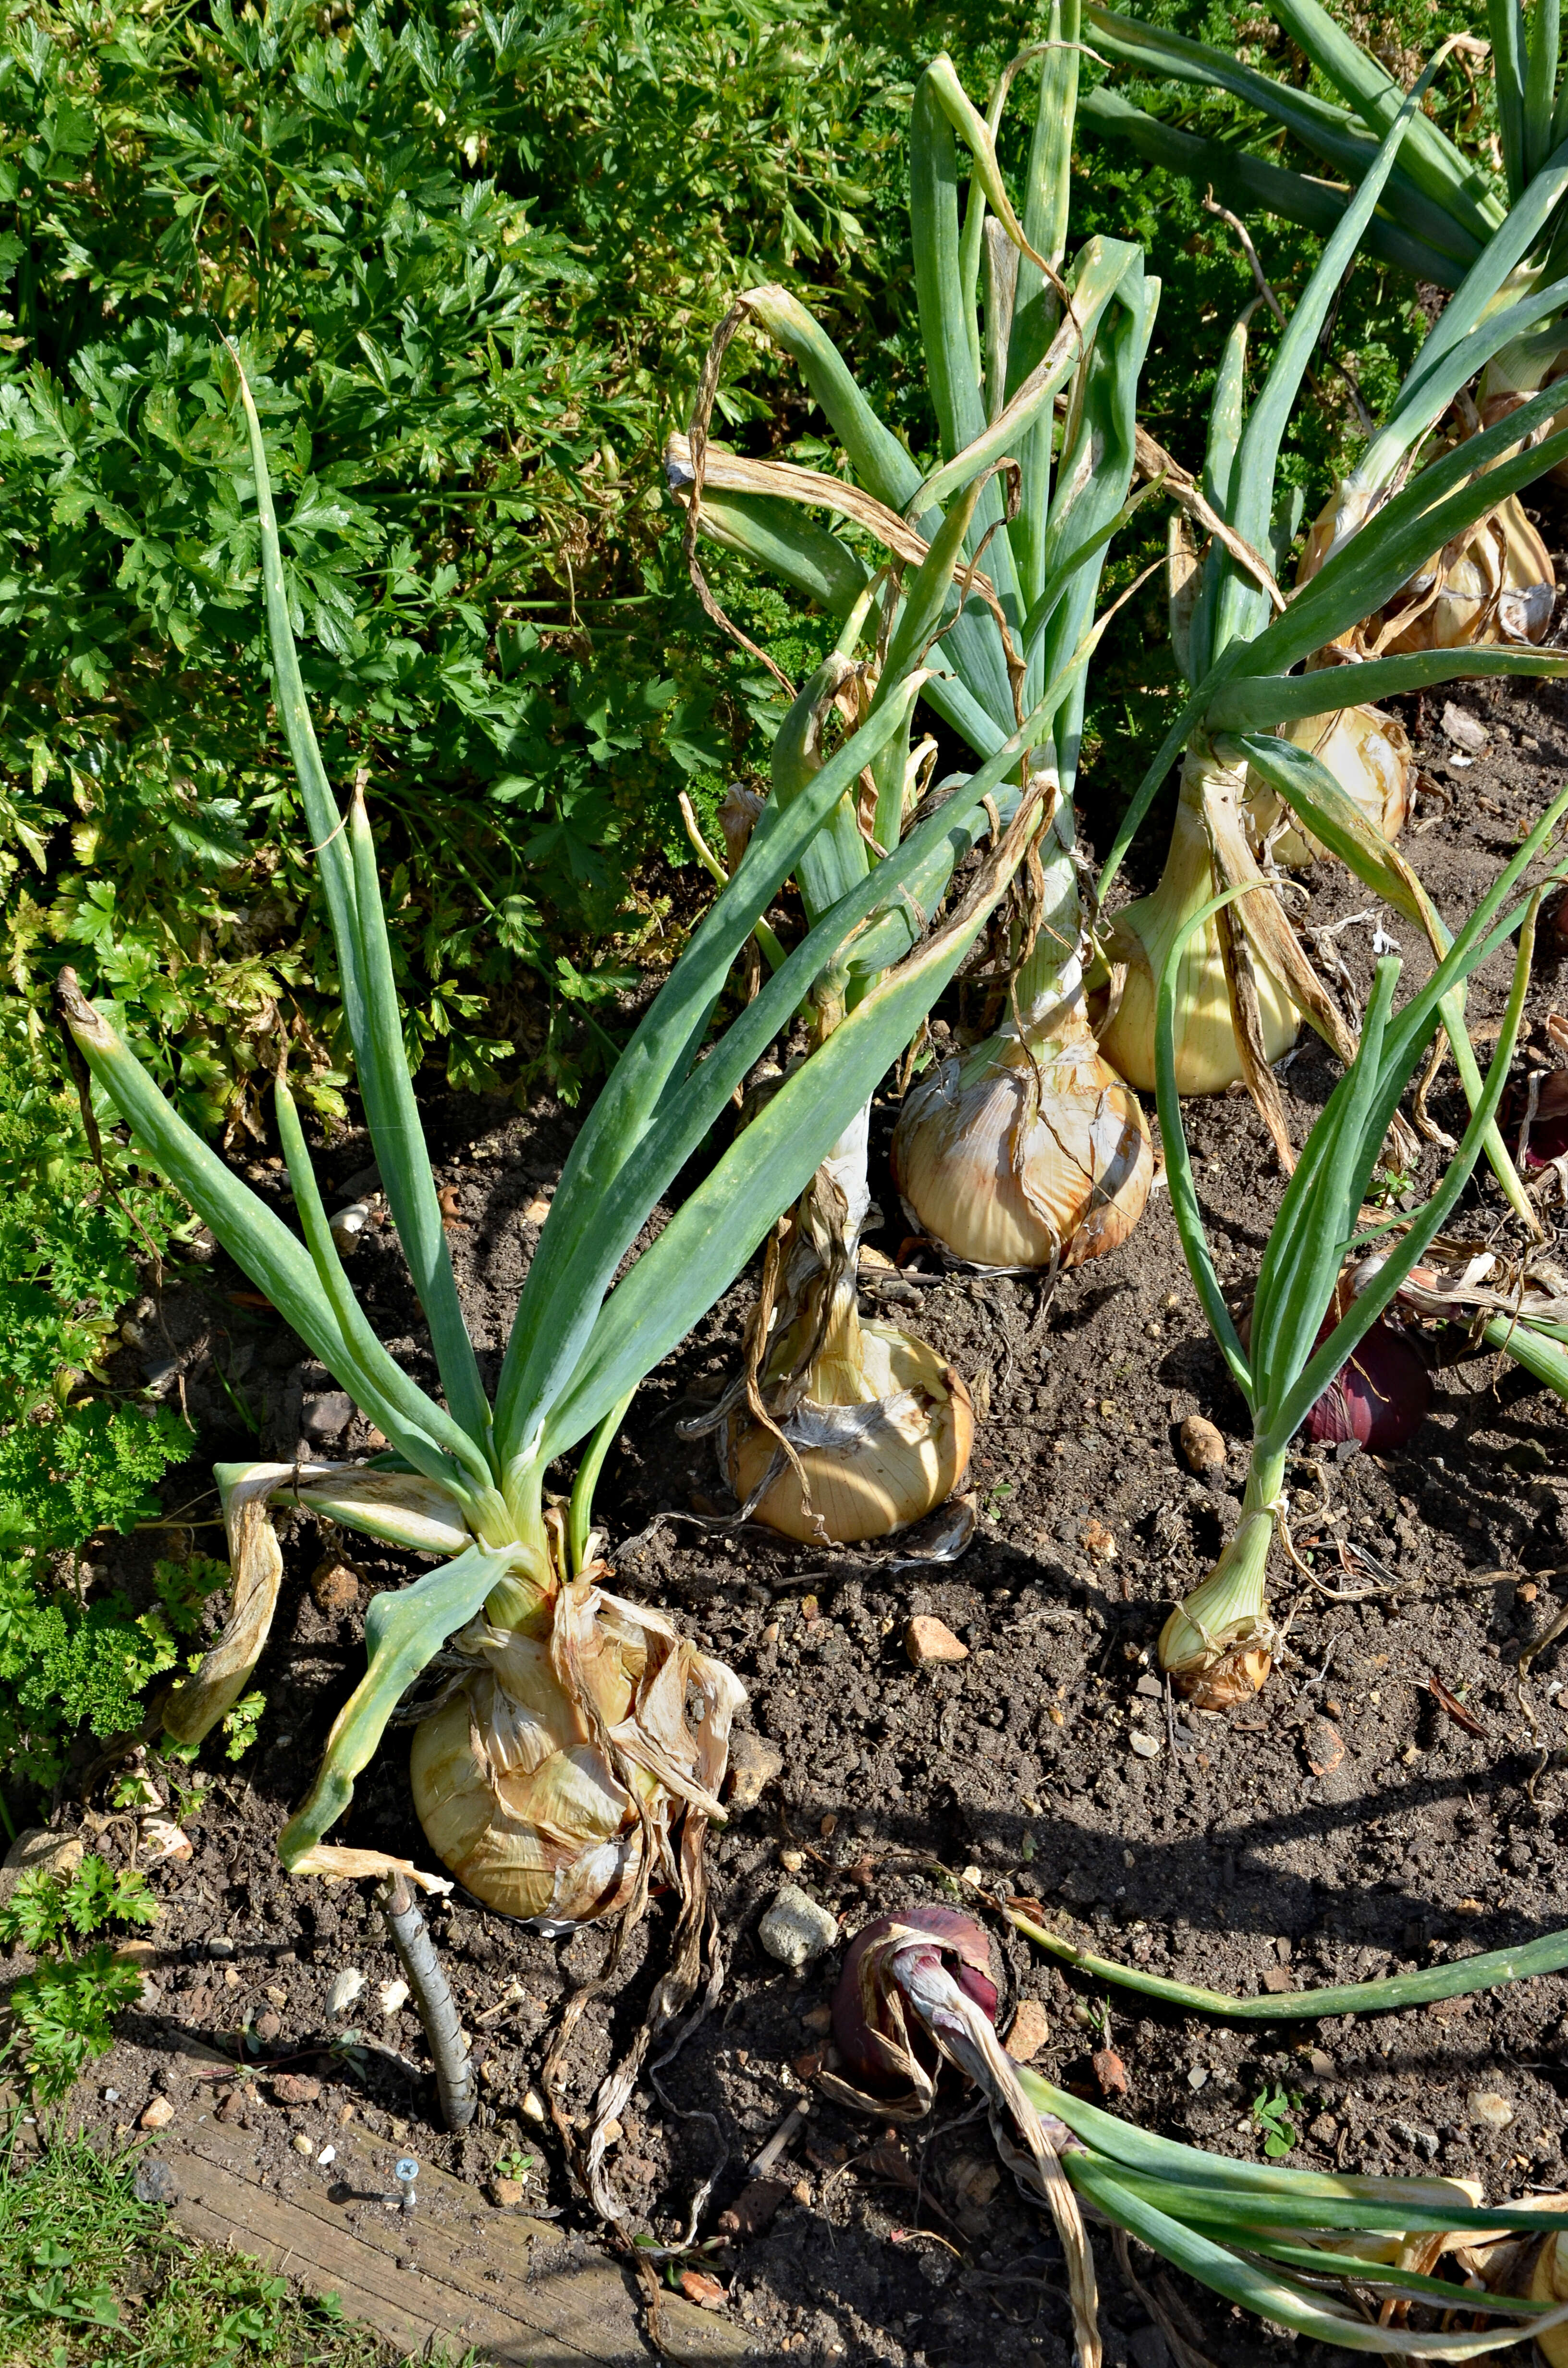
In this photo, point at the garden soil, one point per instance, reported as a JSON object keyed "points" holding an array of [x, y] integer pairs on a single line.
{"points": [[1341, 1825]]}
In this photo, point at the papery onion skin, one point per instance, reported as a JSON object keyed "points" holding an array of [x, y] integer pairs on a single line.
{"points": [[1548, 1137], [1369, 756], [1141, 937], [885, 1469], [1548, 2283], [1498, 587], [1379, 1397], [511, 1776], [955, 1937], [1003, 1176]]}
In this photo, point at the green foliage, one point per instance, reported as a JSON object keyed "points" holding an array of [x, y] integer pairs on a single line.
{"points": [[66, 1665], [1271, 2115], [240, 1724], [92, 2278], [64, 2009]]}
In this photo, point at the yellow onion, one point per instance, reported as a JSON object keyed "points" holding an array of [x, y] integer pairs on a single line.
{"points": [[1369, 754], [1206, 1058], [1027, 1151], [1493, 583], [1217, 1647], [1548, 2283], [881, 1425], [565, 1742]]}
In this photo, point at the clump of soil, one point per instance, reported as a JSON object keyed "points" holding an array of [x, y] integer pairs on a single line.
{"points": [[1343, 1825]]}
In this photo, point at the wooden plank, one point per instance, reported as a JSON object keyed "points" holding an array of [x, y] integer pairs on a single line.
{"points": [[451, 2275]]}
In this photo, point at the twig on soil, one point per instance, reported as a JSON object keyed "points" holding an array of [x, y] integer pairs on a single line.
{"points": [[433, 1996], [788, 2129]]}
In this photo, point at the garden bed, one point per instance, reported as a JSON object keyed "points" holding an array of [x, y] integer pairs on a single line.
{"points": [[1344, 1824]]}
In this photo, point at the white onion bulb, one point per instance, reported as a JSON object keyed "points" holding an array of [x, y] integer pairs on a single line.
{"points": [[1141, 935], [533, 1777], [1011, 1160], [1369, 754], [883, 1430]]}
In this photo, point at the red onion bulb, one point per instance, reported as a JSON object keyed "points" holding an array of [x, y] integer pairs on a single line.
{"points": [[1379, 1397], [920, 1936]]}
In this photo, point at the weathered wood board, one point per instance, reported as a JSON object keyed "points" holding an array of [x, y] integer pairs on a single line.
{"points": [[451, 2275]]}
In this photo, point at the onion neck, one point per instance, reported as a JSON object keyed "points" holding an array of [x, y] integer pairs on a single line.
{"points": [[534, 1575], [1228, 1610]]}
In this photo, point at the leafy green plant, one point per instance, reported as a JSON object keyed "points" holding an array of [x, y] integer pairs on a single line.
{"points": [[1271, 2114], [64, 2010]]}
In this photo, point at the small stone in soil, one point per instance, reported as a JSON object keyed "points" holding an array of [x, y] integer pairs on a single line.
{"points": [[1146, 1747], [231, 2111], [1466, 731], [1110, 2072], [158, 2115], [1495, 2112], [1029, 2032], [506, 2193], [1202, 1447], [267, 2027], [754, 1764], [796, 1928], [335, 1584], [295, 2088], [928, 1639], [303, 2145]]}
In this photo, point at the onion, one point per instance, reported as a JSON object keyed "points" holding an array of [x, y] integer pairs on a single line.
{"points": [[863, 2027], [1206, 1058], [1369, 754], [917, 1986], [1548, 1137], [882, 1428], [562, 1742], [1380, 1397], [1494, 585], [1028, 1151], [1548, 2283]]}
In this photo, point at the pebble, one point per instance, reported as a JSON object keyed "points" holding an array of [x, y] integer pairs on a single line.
{"points": [[754, 1764], [158, 2115], [1029, 2032], [335, 1584], [1488, 2108], [295, 2088], [506, 2193], [534, 2106], [1202, 1447], [1146, 1747], [344, 1990], [1466, 731], [35, 1851], [928, 1639], [796, 1929], [276, 1996], [267, 2027], [232, 2111], [302, 2143], [326, 1415], [1199, 2077], [328, 2154]]}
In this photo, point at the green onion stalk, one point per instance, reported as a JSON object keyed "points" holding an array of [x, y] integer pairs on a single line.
{"points": [[575, 1753], [1217, 1645], [1439, 213], [1245, 981], [1028, 1151], [1299, 2249]]}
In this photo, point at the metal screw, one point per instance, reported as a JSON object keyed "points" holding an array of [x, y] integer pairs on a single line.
{"points": [[406, 2173]]}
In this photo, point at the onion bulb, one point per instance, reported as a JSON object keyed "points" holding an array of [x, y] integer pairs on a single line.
{"points": [[1493, 584], [1548, 2283], [1379, 1397], [562, 1747], [881, 1425], [1369, 754], [1207, 1059], [917, 1986], [1027, 1151], [864, 2027], [1217, 1646]]}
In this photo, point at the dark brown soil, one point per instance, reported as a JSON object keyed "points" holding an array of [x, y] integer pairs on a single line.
{"points": [[1226, 1862]]}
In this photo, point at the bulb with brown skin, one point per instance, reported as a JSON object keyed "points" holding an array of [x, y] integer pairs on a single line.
{"points": [[1028, 1151], [1369, 754], [1493, 584], [881, 1426]]}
